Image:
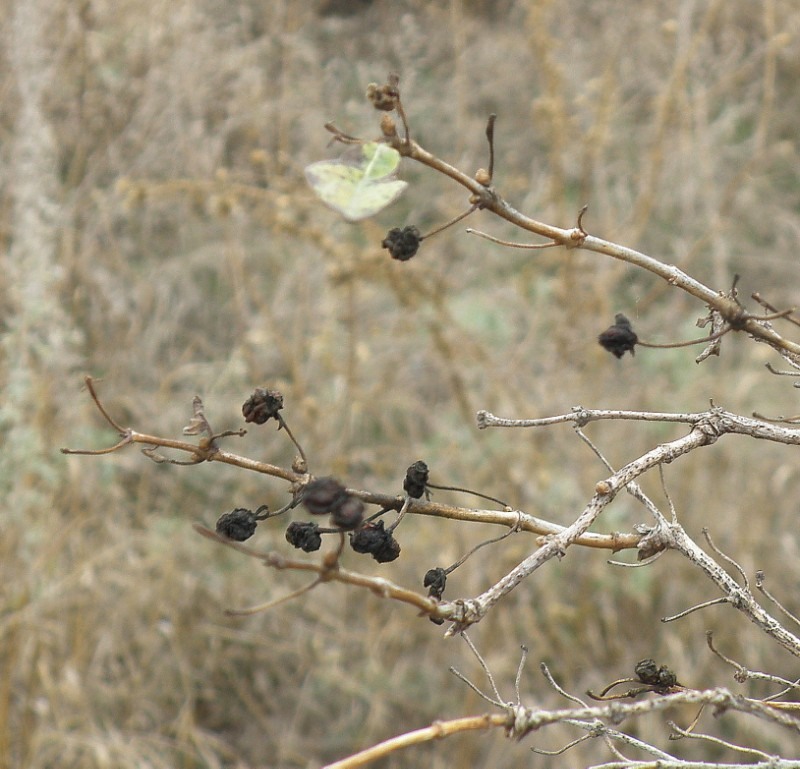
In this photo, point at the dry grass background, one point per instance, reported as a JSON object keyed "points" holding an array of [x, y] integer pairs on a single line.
{"points": [[157, 233]]}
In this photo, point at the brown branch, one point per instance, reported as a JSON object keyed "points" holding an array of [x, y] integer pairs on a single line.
{"points": [[435, 731], [519, 721], [487, 197], [206, 450], [329, 571]]}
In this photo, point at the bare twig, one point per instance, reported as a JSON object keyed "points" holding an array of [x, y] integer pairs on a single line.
{"points": [[490, 138], [494, 540], [727, 559], [483, 665], [437, 731], [262, 607], [687, 734], [760, 580], [697, 607], [508, 243]]}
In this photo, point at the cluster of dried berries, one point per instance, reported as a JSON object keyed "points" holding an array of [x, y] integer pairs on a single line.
{"points": [[304, 535], [619, 338], [327, 495], [239, 524], [651, 674], [402, 243], [372, 538], [262, 405], [416, 479]]}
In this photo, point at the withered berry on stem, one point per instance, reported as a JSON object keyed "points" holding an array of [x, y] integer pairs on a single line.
{"points": [[349, 514], [435, 580], [402, 243], [416, 479], [651, 674], [374, 539], [239, 524], [262, 405], [304, 535], [324, 495], [619, 338]]}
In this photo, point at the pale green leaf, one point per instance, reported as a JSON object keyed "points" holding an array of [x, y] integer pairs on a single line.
{"points": [[358, 185]]}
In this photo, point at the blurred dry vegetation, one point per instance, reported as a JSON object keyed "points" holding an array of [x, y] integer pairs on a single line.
{"points": [[156, 232]]}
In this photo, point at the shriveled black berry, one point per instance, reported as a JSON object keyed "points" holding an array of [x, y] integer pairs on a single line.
{"points": [[647, 671], [262, 405], [435, 580], [619, 338], [389, 552], [416, 479], [666, 677], [349, 514], [651, 674], [304, 535], [374, 539], [324, 495], [402, 243], [239, 524]]}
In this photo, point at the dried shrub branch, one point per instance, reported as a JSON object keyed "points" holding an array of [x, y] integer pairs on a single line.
{"points": [[725, 313]]}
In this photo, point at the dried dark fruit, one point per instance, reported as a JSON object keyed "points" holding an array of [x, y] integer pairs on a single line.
{"points": [[374, 539], [435, 580], [651, 674], [619, 338], [389, 552], [239, 524], [324, 495], [304, 536], [262, 405], [666, 677], [383, 97], [349, 514], [416, 479], [402, 243], [647, 671]]}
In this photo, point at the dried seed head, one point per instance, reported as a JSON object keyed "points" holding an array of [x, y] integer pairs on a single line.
{"points": [[651, 674], [304, 535], [262, 406], [372, 538], [415, 480], [324, 495], [435, 580], [239, 524], [402, 243], [619, 338], [349, 514]]}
